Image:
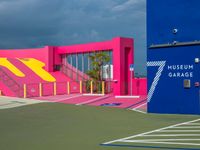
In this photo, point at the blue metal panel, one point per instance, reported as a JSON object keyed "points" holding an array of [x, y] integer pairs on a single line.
{"points": [[164, 16], [170, 64]]}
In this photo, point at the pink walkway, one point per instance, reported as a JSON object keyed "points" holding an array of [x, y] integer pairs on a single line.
{"points": [[104, 101], [78, 100], [120, 102]]}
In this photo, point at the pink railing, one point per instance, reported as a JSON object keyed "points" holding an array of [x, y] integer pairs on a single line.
{"points": [[74, 73], [61, 88], [47, 89], [11, 83]]}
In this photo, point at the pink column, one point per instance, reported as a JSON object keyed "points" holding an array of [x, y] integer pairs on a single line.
{"points": [[122, 58]]}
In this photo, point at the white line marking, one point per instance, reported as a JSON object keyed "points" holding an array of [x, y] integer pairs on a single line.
{"points": [[159, 140], [138, 111], [179, 131], [169, 135], [172, 143], [135, 109], [188, 127], [93, 100], [126, 138], [59, 100], [189, 124], [134, 96]]}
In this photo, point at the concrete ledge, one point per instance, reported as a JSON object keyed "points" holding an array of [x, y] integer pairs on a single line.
{"points": [[127, 96], [12, 102]]}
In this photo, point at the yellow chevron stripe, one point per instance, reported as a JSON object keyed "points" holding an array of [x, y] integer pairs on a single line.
{"points": [[37, 67], [6, 63]]}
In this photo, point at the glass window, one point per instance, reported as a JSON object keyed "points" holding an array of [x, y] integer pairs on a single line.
{"points": [[80, 62], [69, 59], [74, 60], [85, 62]]}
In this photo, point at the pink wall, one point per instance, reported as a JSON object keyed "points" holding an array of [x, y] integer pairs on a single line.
{"points": [[122, 57], [90, 47], [139, 86], [43, 54]]}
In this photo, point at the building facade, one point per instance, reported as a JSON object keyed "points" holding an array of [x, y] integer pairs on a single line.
{"points": [[71, 63], [173, 44]]}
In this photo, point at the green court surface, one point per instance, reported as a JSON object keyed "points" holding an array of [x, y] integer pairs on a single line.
{"points": [[54, 126]]}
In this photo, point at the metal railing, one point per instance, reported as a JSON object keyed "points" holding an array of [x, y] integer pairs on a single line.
{"points": [[11, 83], [55, 88], [61, 88], [97, 87], [73, 73]]}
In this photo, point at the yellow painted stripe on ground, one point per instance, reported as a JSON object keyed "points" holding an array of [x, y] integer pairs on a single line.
{"points": [[37, 67], [6, 63]]}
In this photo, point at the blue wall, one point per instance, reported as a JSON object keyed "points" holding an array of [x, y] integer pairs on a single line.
{"points": [[170, 64], [164, 15]]}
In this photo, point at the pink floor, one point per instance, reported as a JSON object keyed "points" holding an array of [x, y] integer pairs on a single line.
{"points": [[121, 102], [56, 98], [78, 100], [104, 101]]}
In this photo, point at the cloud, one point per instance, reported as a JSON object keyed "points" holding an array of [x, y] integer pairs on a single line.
{"points": [[34, 23], [129, 4]]}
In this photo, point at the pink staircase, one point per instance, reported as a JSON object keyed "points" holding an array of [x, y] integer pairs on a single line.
{"points": [[73, 73], [9, 85], [13, 85]]}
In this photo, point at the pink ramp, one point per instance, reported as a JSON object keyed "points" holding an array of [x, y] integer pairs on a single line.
{"points": [[30, 76], [32, 80]]}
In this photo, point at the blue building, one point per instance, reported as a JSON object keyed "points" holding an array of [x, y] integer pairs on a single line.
{"points": [[173, 50]]}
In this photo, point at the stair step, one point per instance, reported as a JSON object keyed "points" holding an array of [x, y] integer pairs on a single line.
{"points": [[8, 81]]}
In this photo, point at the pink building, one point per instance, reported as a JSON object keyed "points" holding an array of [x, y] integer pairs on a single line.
{"points": [[59, 64]]}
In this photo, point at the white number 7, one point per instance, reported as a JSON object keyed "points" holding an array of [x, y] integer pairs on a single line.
{"points": [[161, 65]]}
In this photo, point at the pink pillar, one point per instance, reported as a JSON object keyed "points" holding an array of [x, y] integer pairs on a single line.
{"points": [[49, 59], [122, 58]]}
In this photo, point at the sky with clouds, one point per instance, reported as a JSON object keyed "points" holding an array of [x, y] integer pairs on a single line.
{"points": [[35, 23]]}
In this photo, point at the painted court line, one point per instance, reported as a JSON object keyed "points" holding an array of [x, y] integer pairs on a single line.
{"points": [[188, 127], [93, 100], [140, 111], [193, 124], [63, 99], [153, 131], [171, 135], [160, 140], [149, 147], [179, 131], [168, 143]]}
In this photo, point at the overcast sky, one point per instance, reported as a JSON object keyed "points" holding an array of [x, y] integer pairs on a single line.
{"points": [[35, 23]]}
